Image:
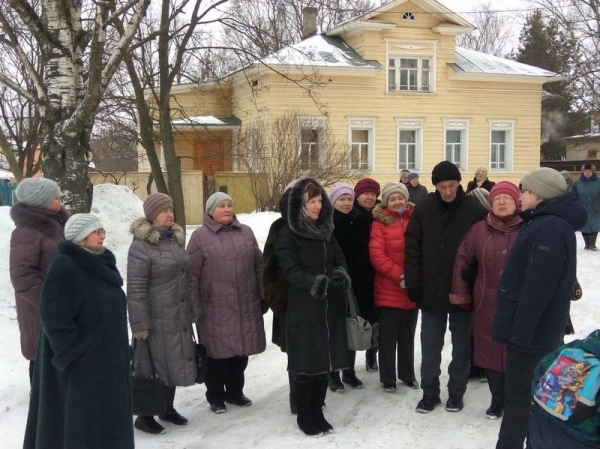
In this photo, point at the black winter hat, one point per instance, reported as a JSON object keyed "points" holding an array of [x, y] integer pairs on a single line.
{"points": [[588, 166], [445, 171]]}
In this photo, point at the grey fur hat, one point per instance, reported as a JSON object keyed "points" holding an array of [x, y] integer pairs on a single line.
{"points": [[545, 182], [37, 192], [79, 226]]}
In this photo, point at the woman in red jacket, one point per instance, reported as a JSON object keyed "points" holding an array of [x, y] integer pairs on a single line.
{"points": [[397, 315]]}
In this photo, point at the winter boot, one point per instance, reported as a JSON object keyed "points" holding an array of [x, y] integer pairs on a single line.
{"points": [[335, 384], [149, 425], [171, 414], [319, 393], [348, 375], [304, 398], [593, 242], [293, 402], [586, 240], [496, 409], [371, 360]]}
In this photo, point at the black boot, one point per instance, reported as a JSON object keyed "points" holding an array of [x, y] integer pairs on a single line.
{"points": [[293, 401], [149, 425], [171, 414], [348, 375], [319, 393], [304, 398], [586, 240], [496, 386], [371, 359], [593, 242], [496, 408], [335, 384]]}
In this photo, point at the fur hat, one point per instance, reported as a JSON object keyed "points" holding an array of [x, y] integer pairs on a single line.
{"points": [[482, 196], [588, 166], [155, 204], [505, 188], [339, 189], [393, 187], [79, 226], [214, 200], [413, 176], [445, 171], [545, 182], [37, 192], [482, 171], [367, 185]]}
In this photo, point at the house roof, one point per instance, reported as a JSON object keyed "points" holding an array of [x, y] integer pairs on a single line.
{"points": [[320, 50], [207, 121], [431, 6], [475, 62], [591, 136]]}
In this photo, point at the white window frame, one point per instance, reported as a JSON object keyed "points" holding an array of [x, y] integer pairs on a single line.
{"points": [[462, 125], [254, 148], [398, 49], [508, 126], [362, 124], [313, 123], [410, 124]]}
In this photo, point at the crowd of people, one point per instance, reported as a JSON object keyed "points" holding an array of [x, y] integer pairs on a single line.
{"points": [[495, 264]]}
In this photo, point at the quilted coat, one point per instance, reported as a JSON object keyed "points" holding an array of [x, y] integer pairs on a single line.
{"points": [[227, 268], [487, 244], [160, 299], [308, 253], [33, 245], [81, 391], [386, 250]]}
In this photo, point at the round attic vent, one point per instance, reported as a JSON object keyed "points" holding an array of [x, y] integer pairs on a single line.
{"points": [[408, 15]]}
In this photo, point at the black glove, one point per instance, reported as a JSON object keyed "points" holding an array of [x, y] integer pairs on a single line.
{"points": [[469, 274], [264, 307], [415, 294], [335, 288]]}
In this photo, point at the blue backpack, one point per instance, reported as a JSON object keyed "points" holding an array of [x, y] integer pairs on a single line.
{"points": [[568, 388]]}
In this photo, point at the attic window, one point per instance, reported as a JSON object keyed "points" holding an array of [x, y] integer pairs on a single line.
{"points": [[255, 83], [408, 15]]}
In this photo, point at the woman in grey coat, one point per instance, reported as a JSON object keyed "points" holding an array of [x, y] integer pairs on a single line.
{"points": [[227, 269], [161, 305]]}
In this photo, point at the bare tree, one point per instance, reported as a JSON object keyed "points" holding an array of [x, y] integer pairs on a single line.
{"points": [[579, 22], [79, 54], [277, 152], [492, 33]]}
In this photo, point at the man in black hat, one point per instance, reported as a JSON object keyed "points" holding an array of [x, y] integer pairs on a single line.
{"points": [[435, 230]]}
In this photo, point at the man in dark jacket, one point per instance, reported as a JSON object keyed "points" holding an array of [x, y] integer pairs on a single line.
{"points": [[436, 228], [535, 291]]}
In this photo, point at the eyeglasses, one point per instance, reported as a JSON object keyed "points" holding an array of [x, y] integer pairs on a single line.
{"points": [[100, 231], [502, 198]]}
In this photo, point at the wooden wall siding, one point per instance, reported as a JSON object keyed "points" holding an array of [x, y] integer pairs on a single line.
{"points": [[579, 150], [216, 101]]}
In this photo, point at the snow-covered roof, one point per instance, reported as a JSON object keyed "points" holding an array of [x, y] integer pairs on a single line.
{"points": [[5, 174], [471, 61], [207, 121], [590, 136], [322, 51]]}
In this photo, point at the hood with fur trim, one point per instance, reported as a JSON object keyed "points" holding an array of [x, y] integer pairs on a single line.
{"points": [[322, 228], [387, 217], [142, 229]]}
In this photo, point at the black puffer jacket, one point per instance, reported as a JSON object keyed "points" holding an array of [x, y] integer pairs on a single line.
{"points": [[434, 233], [309, 254]]}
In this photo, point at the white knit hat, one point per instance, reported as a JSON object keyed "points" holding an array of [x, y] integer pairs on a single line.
{"points": [[214, 200], [79, 226], [393, 187]]}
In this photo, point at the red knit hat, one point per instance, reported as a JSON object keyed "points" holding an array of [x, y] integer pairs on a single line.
{"points": [[505, 188], [366, 185]]}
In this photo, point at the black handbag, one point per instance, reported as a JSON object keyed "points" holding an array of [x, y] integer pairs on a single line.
{"points": [[149, 397], [201, 362]]}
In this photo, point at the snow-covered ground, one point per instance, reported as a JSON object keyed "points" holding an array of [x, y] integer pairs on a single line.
{"points": [[362, 418]]}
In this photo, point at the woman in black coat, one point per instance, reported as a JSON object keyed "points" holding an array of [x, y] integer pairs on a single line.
{"points": [[81, 392], [315, 268]]}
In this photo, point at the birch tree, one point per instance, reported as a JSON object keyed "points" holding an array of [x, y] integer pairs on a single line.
{"points": [[80, 50]]}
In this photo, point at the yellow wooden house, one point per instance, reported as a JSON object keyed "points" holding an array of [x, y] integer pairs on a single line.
{"points": [[391, 85]]}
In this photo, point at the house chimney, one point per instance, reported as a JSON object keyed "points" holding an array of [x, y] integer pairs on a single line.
{"points": [[309, 22]]}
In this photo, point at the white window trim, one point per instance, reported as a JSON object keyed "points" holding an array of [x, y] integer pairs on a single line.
{"points": [[312, 122], [404, 48], [254, 156], [368, 123], [403, 124], [458, 124], [502, 125]]}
